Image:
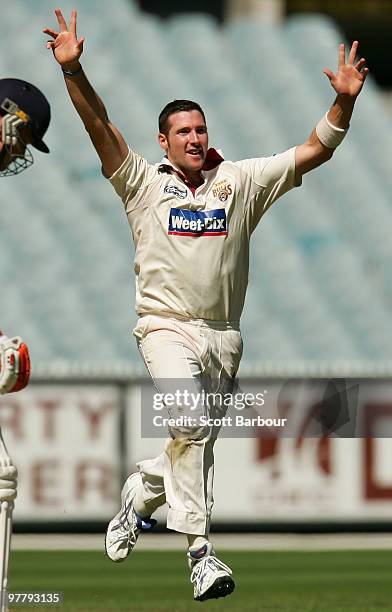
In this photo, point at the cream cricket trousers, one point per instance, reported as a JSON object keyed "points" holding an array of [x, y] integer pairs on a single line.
{"points": [[194, 354]]}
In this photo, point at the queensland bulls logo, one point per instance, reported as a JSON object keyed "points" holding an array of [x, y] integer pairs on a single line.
{"points": [[222, 190]]}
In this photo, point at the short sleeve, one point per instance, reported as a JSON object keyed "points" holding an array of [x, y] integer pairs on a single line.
{"points": [[269, 178], [133, 174]]}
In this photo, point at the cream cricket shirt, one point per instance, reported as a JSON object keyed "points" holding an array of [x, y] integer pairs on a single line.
{"points": [[192, 251]]}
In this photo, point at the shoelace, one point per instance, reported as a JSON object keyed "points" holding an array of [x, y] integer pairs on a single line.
{"points": [[133, 526], [208, 563], [133, 533], [139, 524]]}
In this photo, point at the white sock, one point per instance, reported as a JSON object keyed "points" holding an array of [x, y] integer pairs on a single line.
{"points": [[196, 541], [146, 509]]}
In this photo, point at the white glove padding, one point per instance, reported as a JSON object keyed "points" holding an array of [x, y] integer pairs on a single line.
{"points": [[8, 472], [14, 365], [8, 490], [8, 483], [10, 129]]}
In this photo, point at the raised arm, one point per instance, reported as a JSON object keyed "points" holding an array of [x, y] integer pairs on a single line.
{"points": [[67, 49], [348, 83]]}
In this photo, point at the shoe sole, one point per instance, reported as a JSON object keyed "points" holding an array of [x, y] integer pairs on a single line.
{"points": [[222, 587], [116, 518]]}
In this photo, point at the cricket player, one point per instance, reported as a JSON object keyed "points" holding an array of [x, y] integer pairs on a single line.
{"points": [[24, 119], [191, 217]]}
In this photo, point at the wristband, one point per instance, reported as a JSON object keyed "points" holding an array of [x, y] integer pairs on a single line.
{"points": [[329, 135], [70, 73]]}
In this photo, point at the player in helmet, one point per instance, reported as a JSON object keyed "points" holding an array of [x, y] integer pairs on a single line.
{"points": [[24, 119]]}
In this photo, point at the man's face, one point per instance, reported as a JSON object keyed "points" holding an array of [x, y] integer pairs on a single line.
{"points": [[186, 143]]}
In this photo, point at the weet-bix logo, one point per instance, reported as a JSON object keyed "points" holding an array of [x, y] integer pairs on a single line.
{"points": [[172, 189], [197, 223]]}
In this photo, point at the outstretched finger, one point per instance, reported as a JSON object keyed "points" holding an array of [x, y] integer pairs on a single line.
{"points": [[72, 23], [353, 52], [342, 55], [80, 43], [359, 65], [329, 73], [61, 21], [50, 32], [364, 73]]}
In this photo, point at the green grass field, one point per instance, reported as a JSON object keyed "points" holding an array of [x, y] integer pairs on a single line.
{"points": [[158, 581]]}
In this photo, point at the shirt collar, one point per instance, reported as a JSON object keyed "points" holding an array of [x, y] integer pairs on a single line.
{"points": [[213, 158]]}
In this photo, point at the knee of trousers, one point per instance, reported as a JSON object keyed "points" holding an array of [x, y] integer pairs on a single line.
{"points": [[192, 433], [180, 446]]}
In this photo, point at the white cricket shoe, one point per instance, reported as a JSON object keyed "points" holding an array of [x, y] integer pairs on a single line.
{"points": [[123, 530], [210, 577]]}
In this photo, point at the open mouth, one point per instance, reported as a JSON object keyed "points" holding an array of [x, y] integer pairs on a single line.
{"points": [[195, 153]]}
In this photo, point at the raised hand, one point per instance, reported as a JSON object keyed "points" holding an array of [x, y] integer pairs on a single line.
{"points": [[66, 46], [350, 77]]}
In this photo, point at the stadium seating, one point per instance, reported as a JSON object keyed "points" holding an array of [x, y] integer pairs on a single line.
{"points": [[321, 286]]}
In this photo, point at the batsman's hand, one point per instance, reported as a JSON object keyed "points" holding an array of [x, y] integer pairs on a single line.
{"points": [[14, 365], [66, 46], [350, 77]]}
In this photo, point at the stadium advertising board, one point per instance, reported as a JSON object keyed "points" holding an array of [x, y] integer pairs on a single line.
{"points": [[64, 440], [71, 443]]}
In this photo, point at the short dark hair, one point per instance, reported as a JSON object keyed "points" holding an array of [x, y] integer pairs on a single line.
{"points": [[177, 106]]}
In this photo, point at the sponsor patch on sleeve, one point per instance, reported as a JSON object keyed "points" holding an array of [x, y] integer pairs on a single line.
{"points": [[197, 223]]}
